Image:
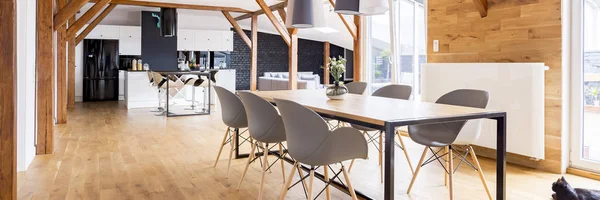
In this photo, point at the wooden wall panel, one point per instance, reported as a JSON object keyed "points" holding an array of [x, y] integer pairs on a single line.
{"points": [[45, 77], [8, 103], [513, 31]]}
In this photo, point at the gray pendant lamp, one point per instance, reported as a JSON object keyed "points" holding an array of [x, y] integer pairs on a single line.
{"points": [[347, 7], [373, 7], [302, 14]]}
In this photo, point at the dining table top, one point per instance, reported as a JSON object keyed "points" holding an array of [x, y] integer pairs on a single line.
{"points": [[371, 109]]}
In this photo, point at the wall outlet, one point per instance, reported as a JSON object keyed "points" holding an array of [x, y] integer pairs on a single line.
{"points": [[436, 45]]}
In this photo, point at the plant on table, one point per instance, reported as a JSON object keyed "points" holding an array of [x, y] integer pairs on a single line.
{"points": [[337, 68]]}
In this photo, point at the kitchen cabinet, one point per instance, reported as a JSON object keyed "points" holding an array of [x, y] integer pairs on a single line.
{"points": [[201, 42], [185, 40], [104, 32], [130, 40], [215, 39], [227, 41]]}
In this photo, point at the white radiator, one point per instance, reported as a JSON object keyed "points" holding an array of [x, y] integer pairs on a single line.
{"points": [[517, 88]]}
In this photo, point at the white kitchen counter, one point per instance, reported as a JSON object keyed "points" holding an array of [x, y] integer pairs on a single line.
{"points": [[140, 94]]}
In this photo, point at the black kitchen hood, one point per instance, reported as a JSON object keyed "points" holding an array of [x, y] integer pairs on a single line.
{"points": [[168, 22]]}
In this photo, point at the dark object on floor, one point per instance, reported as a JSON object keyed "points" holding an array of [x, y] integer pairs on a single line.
{"points": [[564, 191]]}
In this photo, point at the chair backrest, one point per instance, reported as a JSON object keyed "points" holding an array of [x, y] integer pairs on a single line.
{"points": [[264, 122], [232, 108], [356, 87], [159, 79], [305, 130], [467, 98], [394, 91]]}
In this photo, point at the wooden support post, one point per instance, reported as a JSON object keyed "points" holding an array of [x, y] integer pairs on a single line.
{"points": [[293, 60], [282, 13], [61, 78], [45, 77], [357, 49], [66, 12], [8, 100], [278, 26], [254, 54], [85, 18], [94, 23], [481, 6], [237, 28], [71, 68], [326, 50]]}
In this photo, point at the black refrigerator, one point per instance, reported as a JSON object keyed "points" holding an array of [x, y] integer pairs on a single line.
{"points": [[100, 70]]}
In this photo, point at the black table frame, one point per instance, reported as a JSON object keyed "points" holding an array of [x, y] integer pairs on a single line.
{"points": [[390, 129], [166, 74]]}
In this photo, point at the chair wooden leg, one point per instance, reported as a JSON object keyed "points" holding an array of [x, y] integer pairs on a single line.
{"points": [[450, 173], [252, 145], [311, 179], [221, 148], [476, 162], [446, 166], [326, 175], [282, 162], [347, 177], [287, 184], [351, 164], [405, 152], [418, 169], [381, 156], [264, 169], [233, 139], [247, 165]]}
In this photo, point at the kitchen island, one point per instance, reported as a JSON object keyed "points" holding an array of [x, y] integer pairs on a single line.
{"points": [[139, 93]]}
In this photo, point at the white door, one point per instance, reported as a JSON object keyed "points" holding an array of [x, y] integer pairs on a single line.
{"points": [[585, 85]]}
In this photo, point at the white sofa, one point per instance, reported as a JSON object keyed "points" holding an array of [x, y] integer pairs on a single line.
{"points": [[279, 81]]}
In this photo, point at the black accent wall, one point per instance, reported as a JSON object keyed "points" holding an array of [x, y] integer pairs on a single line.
{"points": [[159, 52], [273, 57]]}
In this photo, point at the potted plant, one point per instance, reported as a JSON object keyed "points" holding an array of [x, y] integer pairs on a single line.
{"points": [[337, 67], [594, 92]]}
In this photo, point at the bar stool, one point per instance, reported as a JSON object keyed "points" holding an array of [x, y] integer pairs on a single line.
{"points": [[193, 82], [266, 127], [154, 85], [234, 116], [310, 142], [162, 88], [394, 92], [447, 135]]}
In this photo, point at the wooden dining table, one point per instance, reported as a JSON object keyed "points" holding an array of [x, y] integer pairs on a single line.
{"points": [[387, 114]]}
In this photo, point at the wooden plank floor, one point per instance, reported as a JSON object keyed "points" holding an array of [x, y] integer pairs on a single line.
{"points": [[108, 152]]}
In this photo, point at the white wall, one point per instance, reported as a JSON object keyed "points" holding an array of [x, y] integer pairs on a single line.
{"points": [[26, 37]]}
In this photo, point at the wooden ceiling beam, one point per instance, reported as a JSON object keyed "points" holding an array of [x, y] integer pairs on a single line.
{"points": [[85, 18], [481, 6], [94, 23], [176, 5], [237, 28], [278, 26], [279, 6], [350, 26], [61, 17]]}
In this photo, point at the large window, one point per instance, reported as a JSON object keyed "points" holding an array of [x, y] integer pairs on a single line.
{"points": [[586, 85], [396, 45]]}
